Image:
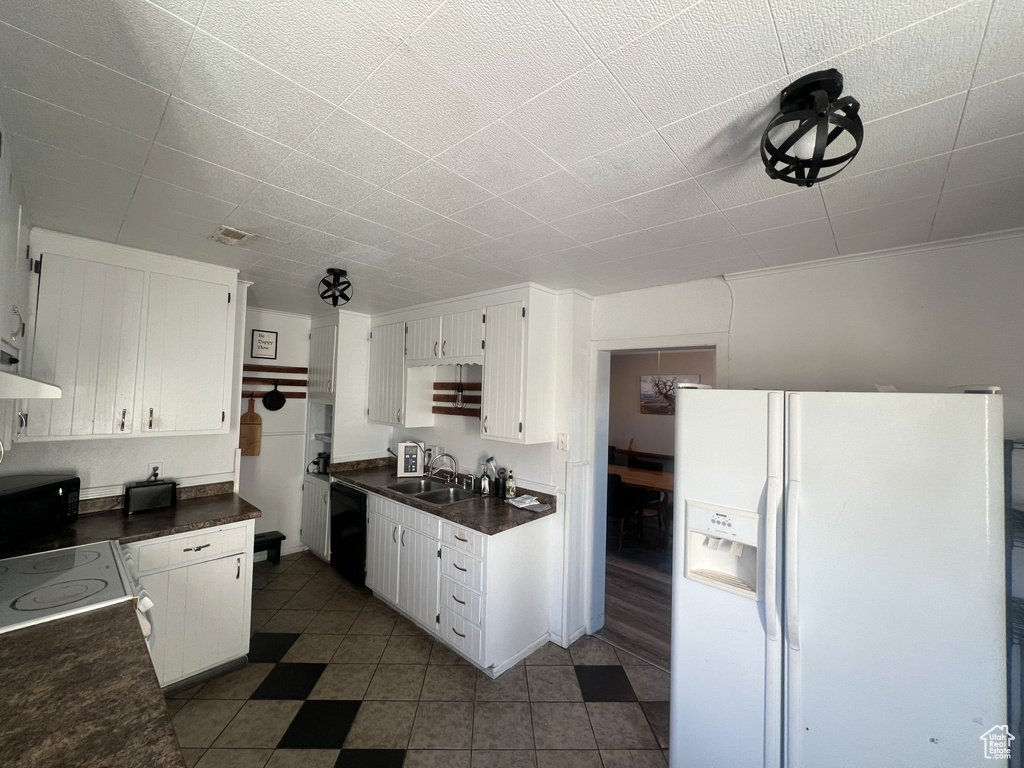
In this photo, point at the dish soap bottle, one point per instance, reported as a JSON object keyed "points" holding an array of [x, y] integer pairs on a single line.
{"points": [[510, 486], [485, 482]]}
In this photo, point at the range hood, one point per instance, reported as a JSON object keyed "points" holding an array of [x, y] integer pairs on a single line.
{"points": [[15, 387]]}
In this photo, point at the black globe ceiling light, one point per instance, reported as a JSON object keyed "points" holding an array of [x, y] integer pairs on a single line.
{"points": [[815, 134], [336, 288]]}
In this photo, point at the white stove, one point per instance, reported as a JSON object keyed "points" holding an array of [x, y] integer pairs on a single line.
{"points": [[62, 582]]}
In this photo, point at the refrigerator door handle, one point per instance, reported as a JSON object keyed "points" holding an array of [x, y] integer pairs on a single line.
{"points": [[792, 588], [771, 610]]}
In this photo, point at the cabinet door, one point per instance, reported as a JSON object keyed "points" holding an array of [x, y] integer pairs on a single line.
{"points": [[502, 392], [386, 394], [316, 499], [462, 334], [423, 343], [86, 341], [418, 576], [322, 350], [198, 616], [187, 374], [382, 556], [214, 612]]}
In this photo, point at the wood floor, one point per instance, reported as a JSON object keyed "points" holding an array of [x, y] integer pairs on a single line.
{"points": [[638, 609]]}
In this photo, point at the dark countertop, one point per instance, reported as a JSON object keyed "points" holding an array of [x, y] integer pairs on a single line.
{"points": [[81, 691], [190, 515], [486, 514]]}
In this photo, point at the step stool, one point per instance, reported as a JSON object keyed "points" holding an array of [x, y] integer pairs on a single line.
{"points": [[270, 542]]}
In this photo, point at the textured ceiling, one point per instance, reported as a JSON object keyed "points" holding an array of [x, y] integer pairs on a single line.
{"points": [[440, 148]]}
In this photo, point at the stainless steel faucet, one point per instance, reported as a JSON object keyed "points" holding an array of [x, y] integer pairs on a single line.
{"points": [[454, 469]]}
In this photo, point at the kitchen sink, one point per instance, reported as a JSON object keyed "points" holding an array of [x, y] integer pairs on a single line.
{"points": [[412, 487], [446, 495]]}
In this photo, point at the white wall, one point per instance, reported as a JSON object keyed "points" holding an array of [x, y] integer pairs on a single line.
{"points": [[653, 432], [273, 480]]}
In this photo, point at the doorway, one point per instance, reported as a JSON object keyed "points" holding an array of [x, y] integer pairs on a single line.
{"points": [[637, 510]]}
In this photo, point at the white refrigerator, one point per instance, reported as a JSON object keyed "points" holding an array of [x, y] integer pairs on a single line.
{"points": [[838, 580]]}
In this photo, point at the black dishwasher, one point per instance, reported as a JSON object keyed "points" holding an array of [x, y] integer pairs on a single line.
{"points": [[348, 532]]}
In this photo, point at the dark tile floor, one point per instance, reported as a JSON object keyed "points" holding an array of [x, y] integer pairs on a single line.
{"points": [[336, 678]]}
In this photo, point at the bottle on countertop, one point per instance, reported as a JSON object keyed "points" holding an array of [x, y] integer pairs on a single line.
{"points": [[485, 482], [500, 485], [510, 486]]}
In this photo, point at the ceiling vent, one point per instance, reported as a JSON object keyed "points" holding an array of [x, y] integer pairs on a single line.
{"points": [[229, 236]]}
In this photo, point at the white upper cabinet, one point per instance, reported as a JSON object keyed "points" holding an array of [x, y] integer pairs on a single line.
{"points": [[86, 341], [397, 395], [322, 351], [387, 374], [511, 338], [423, 342], [462, 335], [187, 373], [518, 377], [139, 343], [501, 412]]}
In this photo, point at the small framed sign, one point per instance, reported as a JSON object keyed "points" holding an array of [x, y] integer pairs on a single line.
{"points": [[264, 344]]}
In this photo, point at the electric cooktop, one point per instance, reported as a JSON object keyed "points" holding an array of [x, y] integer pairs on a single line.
{"points": [[51, 585]]}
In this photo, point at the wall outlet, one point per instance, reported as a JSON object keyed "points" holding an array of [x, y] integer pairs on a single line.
{"points": [[158, 465], [563, 441]]}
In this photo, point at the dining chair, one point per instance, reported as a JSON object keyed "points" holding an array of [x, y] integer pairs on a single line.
{"points": [[653, 501], [623, 502]]}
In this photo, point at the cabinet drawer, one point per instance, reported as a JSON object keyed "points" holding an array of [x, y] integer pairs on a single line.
{"points": [[459, 537], [461, 600], [461, 634], [188, 548], [462, 568]]}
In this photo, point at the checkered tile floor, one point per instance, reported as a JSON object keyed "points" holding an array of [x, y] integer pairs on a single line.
{"points": [[336, 678]]}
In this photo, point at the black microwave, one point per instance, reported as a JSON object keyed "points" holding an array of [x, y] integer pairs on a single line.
{"points": [[31, 505]]}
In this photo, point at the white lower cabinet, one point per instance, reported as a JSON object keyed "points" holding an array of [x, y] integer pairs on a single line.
{"points": [[484, 596], [201, 585], [316, 515]]}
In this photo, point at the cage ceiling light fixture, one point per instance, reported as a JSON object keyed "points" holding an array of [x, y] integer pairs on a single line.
{"points": [[336, 288], [816, 134]]}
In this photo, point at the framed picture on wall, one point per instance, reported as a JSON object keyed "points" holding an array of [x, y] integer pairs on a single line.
{"points": [[264, 344], [658, 392]]}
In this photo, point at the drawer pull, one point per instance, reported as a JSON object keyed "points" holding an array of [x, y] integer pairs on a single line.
{"points": [[124, 412], [461, 539], [195, 549], [457, 600], [459, 568], [150, 418], [458, 633]]}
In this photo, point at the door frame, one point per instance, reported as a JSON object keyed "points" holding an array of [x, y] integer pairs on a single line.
{"points": [[593, 564]]}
